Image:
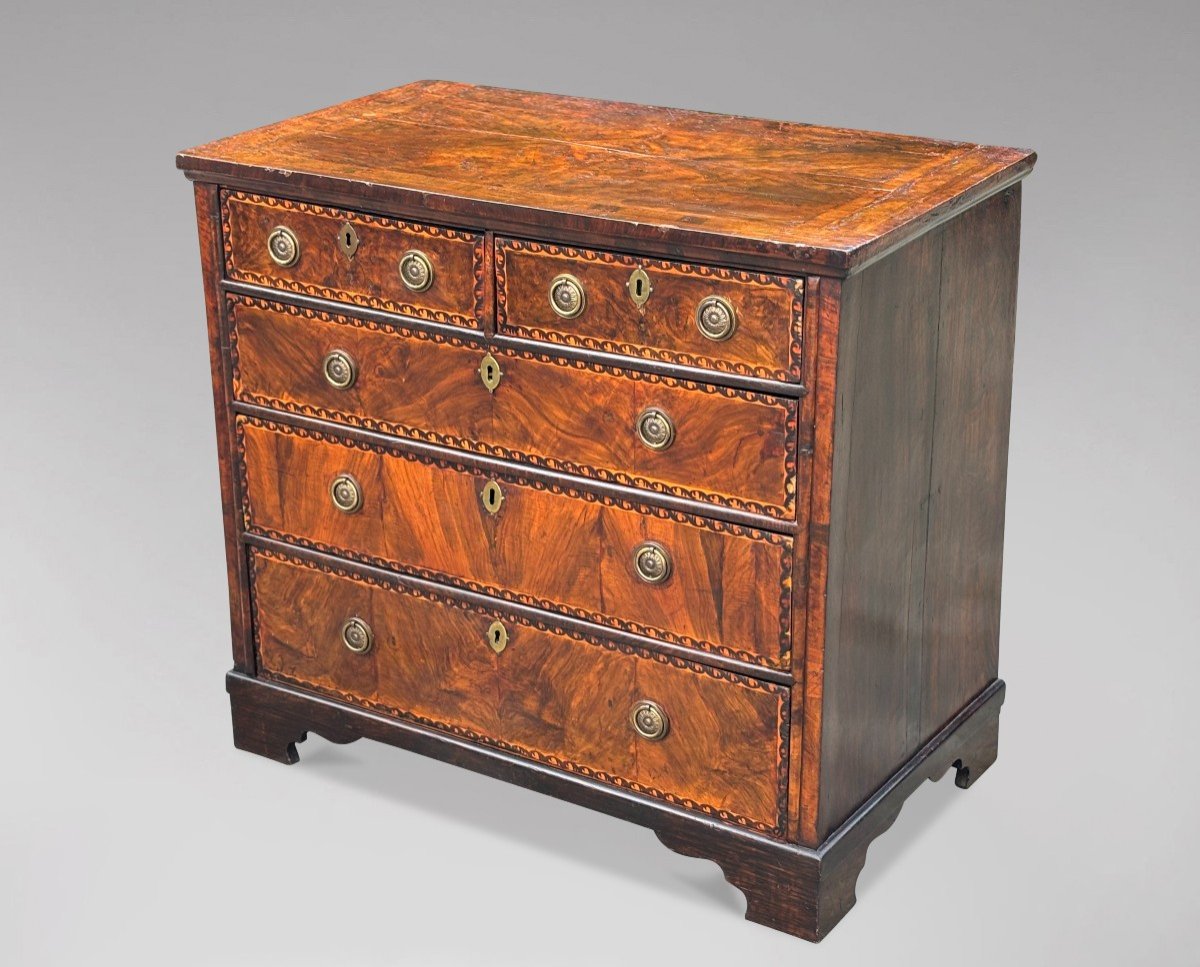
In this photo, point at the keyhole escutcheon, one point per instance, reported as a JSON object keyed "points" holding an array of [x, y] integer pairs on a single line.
{"points": [[639, 287], [497, 637], [492, 497]]}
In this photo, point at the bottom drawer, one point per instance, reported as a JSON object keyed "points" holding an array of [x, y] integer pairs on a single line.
{"points": [[583, 704]]}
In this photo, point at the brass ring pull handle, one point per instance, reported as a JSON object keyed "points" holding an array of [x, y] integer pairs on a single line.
{"points": [[715, 318], [357, 636], [650, 721], [340, 369], [283, 246], [655, 429], [345, 493], [567, 297], [416, 271], [652, 562]]}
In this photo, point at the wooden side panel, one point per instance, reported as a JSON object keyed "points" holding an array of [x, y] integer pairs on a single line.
{"points": [[558, 698], [208, 226], [970, 457], [882, 442], [916, 528], [728, 591], [732, 448], [371, 276], [767, 308]]}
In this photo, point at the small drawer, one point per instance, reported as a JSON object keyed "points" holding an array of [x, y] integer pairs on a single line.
{"points": [[419, 270], [674, 577], [728, 447], [692, 315], [698, 737]]}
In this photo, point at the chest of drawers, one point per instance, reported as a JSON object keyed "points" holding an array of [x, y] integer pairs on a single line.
{"points": [[647, 458]]}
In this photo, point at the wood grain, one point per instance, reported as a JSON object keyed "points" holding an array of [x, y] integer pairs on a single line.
{"points": [[371, 277], [823, 196], [768, 309], [729, 590], [549, 696], [732, 448]]}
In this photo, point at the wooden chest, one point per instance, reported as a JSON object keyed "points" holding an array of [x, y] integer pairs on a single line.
{"points": [[648, 458]]}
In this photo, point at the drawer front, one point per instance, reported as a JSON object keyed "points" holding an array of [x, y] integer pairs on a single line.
{"points": [[448, 286], [693, 315], [730, 447], [564, 700], [727, 588]]}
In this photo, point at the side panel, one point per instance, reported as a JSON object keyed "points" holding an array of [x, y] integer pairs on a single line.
{"points": [[208, 223], [970, 458], [919, 450]]}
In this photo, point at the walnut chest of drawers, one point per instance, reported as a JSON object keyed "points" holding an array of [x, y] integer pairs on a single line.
{"points": [[648, 458]]}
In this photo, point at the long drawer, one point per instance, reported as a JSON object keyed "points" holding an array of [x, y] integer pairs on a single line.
{"points": [[673, 577], [727, 447], [694, 736]]}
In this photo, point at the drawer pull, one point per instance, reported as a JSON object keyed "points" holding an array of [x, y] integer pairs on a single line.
{"points": [[340, 369], [357, 636], [283, 246], [416, 271], [492, 497], [348, 240], [655, 429], [497, 637], [652, 562], [489, 372], [639, 287], [715, 318], [650, 721], [567, 297], [345, 493]]}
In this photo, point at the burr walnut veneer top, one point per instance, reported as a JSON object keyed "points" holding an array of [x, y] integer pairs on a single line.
{"points": [[827, 198]]}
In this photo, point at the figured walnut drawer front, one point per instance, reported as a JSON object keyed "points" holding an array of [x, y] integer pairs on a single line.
{"points": [[720, 319], [420, 270], [561, 699], [730, 447], [726, 588]]}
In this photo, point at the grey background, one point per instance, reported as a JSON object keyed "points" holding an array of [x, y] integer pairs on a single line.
{"points": [[130, 830]]}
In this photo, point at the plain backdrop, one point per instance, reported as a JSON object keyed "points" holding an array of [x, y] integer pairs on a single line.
{"points": [[131, 832]]}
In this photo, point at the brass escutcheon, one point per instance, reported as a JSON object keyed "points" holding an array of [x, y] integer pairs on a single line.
{"points": [[340, 369], [492, 497], [416, 271], [497, 637], [357, 636], [652, 562], [567, 297], [283, 246], [639, 286], [655, 429], [715, 318], [489, 372], [649, 720], [348, 240], [345, 493]]}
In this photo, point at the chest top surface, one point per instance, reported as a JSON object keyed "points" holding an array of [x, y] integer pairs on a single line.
{"points": [[830, 197]]}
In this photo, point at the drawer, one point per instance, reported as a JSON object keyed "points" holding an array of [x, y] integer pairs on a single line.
{"points": [[726, 589], [692, 315], [729, 447], [420, 270], [561, 699]]}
